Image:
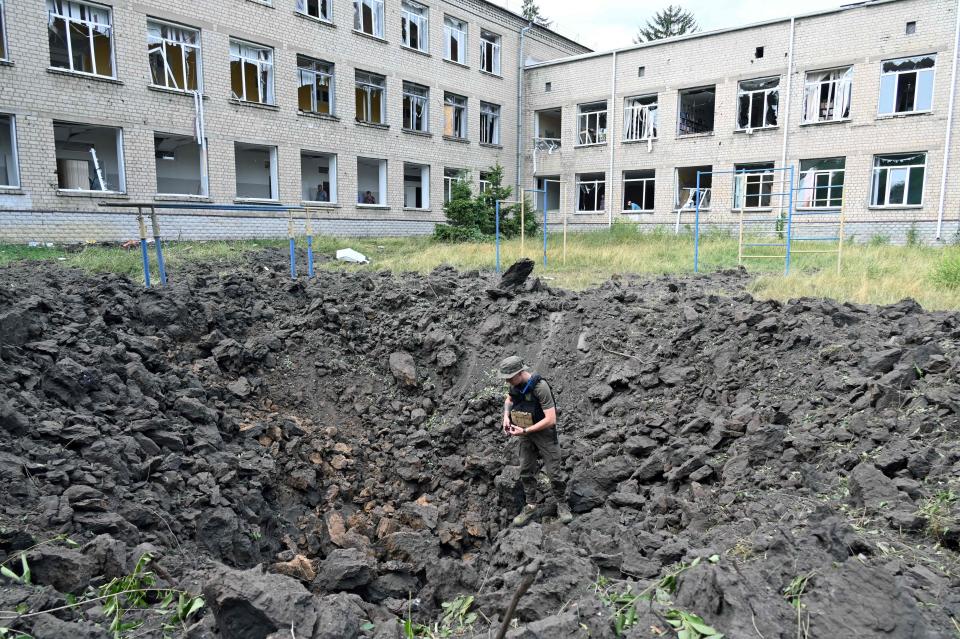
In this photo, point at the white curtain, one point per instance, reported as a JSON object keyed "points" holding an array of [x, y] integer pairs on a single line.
{"points": [[807, 190]]}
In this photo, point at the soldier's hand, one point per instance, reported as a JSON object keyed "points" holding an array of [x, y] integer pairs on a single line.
{"points": [[516, 430], [506, 425]]}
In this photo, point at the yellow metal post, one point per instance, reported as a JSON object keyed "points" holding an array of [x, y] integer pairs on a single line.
{"points": [[840, 235]]}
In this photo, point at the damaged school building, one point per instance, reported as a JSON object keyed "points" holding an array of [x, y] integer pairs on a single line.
{"points": [[368, 110]]}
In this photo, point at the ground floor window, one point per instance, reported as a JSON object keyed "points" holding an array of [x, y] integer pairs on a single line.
{"points": [[821, 183], [638, 188], [318, 177], [89, 158], [898, 179], [549, 199], [687, 195], [451, 176], [256, 168], [591, 192], [181, 168], [753, 185], [371, 181], [416, 186], [9, 173]]}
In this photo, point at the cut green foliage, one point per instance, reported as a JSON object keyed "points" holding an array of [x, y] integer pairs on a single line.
{"points": [[793, 593], [24, 576], [457, 621], [9, 633], [938, 511], [690, 626]]}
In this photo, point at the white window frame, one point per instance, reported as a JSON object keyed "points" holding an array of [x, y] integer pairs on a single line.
{"points": [[70, 12], [274, 173], [331, 175], [584, 120], [875, 182], [14, 157], [459, 104], [376, 12], [409, 15], [204, 173], [381, 182], [766, 103], [840, 88], [489, 52], [748, 175], [808, 192], [410, 99], [896, 82], [121, 171], [424, 186], [645, 207], [250, 53], [485, 185], [3, 33], [596, 183], [641, 120], [489, 134], [368, 82], [448, 181], [324, 10], [160, 42], [455, 29], [312, 73]]}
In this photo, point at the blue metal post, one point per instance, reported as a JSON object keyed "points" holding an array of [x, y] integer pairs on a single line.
{"points": [[497, 231], [544, 237], [143, 248], [161, 266], [310, 255], [696, 229], [789, 221], [293, 259]]}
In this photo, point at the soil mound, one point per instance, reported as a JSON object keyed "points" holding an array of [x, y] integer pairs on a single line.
{"points": [[323, 458]]}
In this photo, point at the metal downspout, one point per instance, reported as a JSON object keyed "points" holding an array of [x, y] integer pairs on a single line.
{"points": [[520, 69], [948, 136], [611, 118], [786, 115]]}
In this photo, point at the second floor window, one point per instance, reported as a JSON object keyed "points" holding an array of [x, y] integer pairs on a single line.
{"points": [[489, 123], [826, 96], [416, 115], [3, 35], [592, 123], [370, 97], [315, 94], [319, 9], [368, 17], [413, 25], [455, 40], [489, 52], [454, 116], [81, 37], [758, 103], [251, 72], [174, 56], [640, 118], [906, 85]]}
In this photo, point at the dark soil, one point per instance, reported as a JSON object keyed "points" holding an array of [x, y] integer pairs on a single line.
{"points": [[322, 458]]}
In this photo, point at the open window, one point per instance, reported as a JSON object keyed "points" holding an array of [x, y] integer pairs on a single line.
{"points": [[454, 115], [370, 97], [454, 40], [489, 123], [416, 107], [489, 52], [174, 53], [547, 128], [758, 103], [318, 177], [181, 168], [368, 17], [640, 118], [256, 168], [591, 192], [753, 185], [89, 158], [696, 110], [319, 9], [80, 37], [906, 85], [638, 191], [592, 123], [9, 168], [3, 33], [898, 179], [251, 72], [414, 25], [826, 95], [451, 176], [416, 186], [371, 182], [485, 183], [315, 93], [821, 183], [550, 199], [687, 195]]}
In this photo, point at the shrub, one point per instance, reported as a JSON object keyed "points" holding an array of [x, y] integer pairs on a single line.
{"points": [[473, 217], [947, 271]]}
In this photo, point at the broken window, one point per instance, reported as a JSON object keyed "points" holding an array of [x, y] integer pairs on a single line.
{"points": [[9, 170], [180, 165], [489, 52], [251, 72], [687, 194], [758, 103], [906, 85], [485, 183], [911, 27], [455, 40], [489, 123], [898, 179], [547, 132], [256, 168], [89, 158], [696, 110], [640, 118], [315, 94], [370, 97], [371, 182], [591, 192], [821, 183], [413, 25], [319, 9], [592, 123], [416, 114], [550, 196], [81, 37], [638, 189], [753, 185], [3, 34], [827, 95], [174, 53], [454, 115], [368, 17], [450, 176], [416, 186], [318, 177]]}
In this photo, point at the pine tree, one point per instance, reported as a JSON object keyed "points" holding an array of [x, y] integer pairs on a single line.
{"points": [[531, 12], [667, 23]]}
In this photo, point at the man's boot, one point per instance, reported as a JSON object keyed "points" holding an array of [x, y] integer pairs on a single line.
{"points": [[564, 516], [525, 515]]}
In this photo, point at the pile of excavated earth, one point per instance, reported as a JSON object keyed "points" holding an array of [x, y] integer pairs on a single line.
{"points": [[323, 459]]}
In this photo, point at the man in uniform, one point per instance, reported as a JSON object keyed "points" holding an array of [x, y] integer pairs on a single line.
{"points": [[530, 413]]}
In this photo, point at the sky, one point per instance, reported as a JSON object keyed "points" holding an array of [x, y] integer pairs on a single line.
{"points": [[609, 24]]}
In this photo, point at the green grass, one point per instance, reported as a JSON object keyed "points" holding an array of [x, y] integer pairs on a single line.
{"points": [[875, 272]]}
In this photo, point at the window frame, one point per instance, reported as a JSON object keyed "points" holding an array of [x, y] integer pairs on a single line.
{"points": [[368, 86], [462, 44], [874, 182], [831, 175], [629, 109], [274, 172], [448, 181], [4, 45], [583, 123], [198, 47], [766, 104], [406, 17], [315, 72], [377, 17], [424, 186], [121, 169], [845, 79], [644, 180], [14, 153], [260, 64], [579, 182], [751, 173], [915, 111], [451, 99], [411, 97], [490, 45], [204, 170], [68, 20], [382, 182], [302, 7], [489, 110], [331, 175]]}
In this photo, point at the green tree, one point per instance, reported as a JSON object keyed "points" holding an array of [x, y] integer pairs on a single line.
{"points": [[531, 12], [472, 218], [667, 23]]}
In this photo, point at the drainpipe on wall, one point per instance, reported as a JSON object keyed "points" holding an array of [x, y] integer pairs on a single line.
{"points": [[519, 192], [786, 118], [947, 137], [611, 113]]}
